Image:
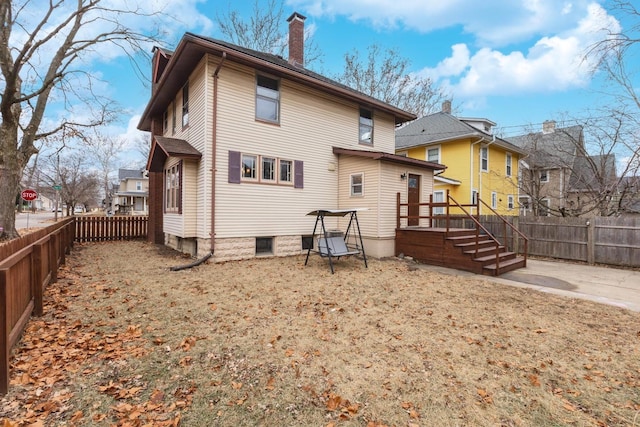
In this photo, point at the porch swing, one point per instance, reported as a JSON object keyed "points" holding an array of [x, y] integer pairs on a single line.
{"points": [[335, 246]]}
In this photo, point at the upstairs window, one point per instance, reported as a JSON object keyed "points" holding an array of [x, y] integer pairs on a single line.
{"points": [[508, 166], [484, 159], [267, 99], [366, 126], [173, 118], [544, 176], [433, 154], [165, 121], [138, 186], [185, 105]]}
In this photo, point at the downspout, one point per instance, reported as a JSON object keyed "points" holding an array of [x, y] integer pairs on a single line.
{"points": [[214, 138], [471, 165], [213, 172], [480, 170]]}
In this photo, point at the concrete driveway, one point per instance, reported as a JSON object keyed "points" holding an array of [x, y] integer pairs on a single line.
{"points": [[605, 285]]}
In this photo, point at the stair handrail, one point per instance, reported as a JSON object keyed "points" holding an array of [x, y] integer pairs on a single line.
{"points": [[514, 229], [478, 227]]}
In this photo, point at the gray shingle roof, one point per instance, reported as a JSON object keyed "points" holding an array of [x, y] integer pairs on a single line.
{"points": [[130, 173], [442, 127], [553, 149]]}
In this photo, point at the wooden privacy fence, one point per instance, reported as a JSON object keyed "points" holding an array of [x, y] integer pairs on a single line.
{"points": [[24, 274], [102, 228], [597, 240], [30, 263]]}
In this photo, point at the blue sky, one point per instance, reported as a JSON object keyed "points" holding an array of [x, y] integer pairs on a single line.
{"points": [[516, 63]]}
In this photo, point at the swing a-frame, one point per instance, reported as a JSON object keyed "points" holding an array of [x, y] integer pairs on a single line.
{"points": [[334, 247]]}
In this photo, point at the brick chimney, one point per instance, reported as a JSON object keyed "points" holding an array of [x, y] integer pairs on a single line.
{"points": [[296, 39], [446, 107]]}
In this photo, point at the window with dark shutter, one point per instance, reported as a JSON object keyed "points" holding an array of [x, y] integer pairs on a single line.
{"points": [[234, 167]]}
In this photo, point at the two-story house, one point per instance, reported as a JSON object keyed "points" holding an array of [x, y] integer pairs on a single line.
{"points": [[558, 177], [131, 194], [245, 144], [479, 164]]}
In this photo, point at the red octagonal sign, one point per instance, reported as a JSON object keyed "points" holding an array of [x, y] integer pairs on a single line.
{"points": [[29, 195]]}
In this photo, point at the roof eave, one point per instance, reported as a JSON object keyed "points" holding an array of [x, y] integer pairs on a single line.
{"points": [[202, 47]]}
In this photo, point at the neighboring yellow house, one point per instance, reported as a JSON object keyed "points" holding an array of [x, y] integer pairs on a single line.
{"points": [[478, 163]]}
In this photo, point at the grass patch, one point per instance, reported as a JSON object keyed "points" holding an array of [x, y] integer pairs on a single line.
{"points": [[124, 341]]}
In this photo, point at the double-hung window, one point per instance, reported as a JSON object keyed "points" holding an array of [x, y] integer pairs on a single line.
{"points": [[267, 99], [508, 167], [173, 118], [172, 188], [249, 167], [357, 184], [544, 176], [286, 167], [433, 154], [366, 126], [510, 202], [484, 159], [185, 104], [268, 169], [494, 200]]}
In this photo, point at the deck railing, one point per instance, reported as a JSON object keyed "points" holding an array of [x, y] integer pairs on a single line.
{"points": [[447, 217]]}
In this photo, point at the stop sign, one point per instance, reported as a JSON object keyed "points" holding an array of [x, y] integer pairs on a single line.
{"points": [[29, 195]]}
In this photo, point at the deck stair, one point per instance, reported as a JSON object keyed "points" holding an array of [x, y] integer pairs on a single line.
{"points": [[471, 249]]}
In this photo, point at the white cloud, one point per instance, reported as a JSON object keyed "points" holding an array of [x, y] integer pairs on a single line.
{"points": [[493, 23], [553, 63]]}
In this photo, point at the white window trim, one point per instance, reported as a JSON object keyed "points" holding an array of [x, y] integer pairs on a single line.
{"points": [[548, 202], [351, 193], [257, 168], [494, 200], [508, 169], [291, 163], [276, 99], [510, 202], [438, 210], [426, 153], [546, 174], [275, 171], [474, 196], [484, 149]]}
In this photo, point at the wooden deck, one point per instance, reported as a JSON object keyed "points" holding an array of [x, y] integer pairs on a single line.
{"points": [[457, 248]]}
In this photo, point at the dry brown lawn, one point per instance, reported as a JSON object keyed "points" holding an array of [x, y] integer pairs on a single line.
{"points": [[272, 342]]}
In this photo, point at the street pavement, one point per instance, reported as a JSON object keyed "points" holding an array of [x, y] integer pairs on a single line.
{"points": [[38, 219], [606, 285]]}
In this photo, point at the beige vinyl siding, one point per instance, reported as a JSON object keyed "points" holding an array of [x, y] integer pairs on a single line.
{"points": [[196, 214], [368, 219], [190, 198], [310, 125]]}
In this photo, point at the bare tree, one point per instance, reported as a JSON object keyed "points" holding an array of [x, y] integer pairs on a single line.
{"points": [[44, 48], [262, 31], [105, 151], [71, 171], [616, 54], [385, 75], [583, 169]]}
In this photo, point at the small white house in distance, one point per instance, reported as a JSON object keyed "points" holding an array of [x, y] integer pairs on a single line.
{"points": [[132, 193], [246, 143]]}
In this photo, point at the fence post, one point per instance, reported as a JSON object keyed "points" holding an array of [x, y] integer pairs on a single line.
{"points": [[515, 221], [4, 338], [36, 279], [591, 244]]}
